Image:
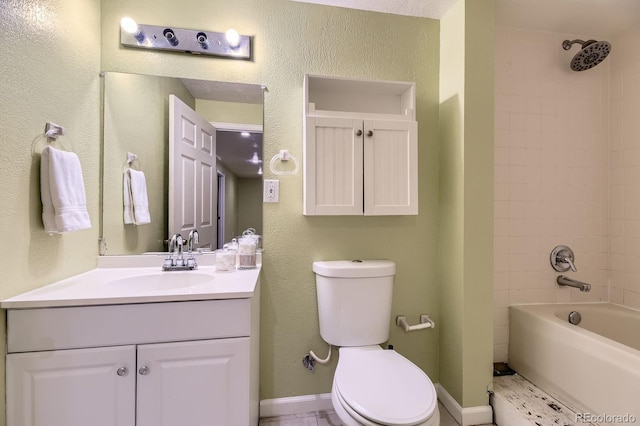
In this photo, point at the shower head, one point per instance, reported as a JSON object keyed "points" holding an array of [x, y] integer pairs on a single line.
{"points": [[592, 53]]}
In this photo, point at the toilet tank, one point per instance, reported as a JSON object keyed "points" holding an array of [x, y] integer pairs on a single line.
{"points": [[354, 301]]}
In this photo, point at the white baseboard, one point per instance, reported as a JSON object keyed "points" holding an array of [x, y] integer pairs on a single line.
{"points": [[307, 403], [480, 415], [295, 405]]}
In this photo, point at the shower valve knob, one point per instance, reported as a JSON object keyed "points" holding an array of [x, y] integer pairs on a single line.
{"points": [[562, 259]]}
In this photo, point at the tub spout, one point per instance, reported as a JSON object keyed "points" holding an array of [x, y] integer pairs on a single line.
{"points": [[566, 281]]}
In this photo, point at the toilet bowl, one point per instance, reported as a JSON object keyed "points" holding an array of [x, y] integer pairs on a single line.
{"points": [[374, 387], [371, 386]]}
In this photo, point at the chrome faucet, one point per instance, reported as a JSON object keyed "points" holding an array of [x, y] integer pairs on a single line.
{"points": [[194, 238], [178, 249], [566, 281], [175, 261]]}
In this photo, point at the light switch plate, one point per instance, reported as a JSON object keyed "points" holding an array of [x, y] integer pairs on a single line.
{"points": [[271, 191]]}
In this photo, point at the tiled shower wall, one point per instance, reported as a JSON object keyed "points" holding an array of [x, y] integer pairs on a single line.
{"points": [[551, 173], [624, 163]]}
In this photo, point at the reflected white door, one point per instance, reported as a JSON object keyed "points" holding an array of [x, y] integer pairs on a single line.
{"points": [[192, 174]]}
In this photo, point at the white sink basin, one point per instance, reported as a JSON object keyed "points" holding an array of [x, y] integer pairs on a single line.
{"points": [[161, 281], [141, 284]]}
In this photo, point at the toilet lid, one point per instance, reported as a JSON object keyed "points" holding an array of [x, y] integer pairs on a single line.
{"points": [[385, 387]]}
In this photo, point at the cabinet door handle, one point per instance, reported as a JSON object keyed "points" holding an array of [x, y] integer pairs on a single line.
{"points": [[369, 133], [358, 132], [143, 370], [122, 371]]}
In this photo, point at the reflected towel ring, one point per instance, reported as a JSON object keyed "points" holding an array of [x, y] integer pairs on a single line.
{"points": [[284, 155], [131, 160]]}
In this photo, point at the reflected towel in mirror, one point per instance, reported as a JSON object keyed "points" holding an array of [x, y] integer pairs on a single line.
{"points": [[136, 201], [64, 203]]}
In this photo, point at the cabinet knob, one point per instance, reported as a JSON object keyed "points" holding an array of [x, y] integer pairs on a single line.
{"points": [[358, 132], [369, 133], [143, 370], [122, 371]]}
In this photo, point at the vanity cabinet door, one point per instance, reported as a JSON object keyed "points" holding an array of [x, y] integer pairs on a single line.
{"points": [[72, 387], [194, 383]]}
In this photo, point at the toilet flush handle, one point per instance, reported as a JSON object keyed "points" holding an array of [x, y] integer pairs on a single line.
{"points": [[425, 322]]}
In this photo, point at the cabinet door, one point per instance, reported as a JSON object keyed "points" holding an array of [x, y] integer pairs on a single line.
{"points": [[194, 383], [333, 166], [390, 167], [76, 387]]}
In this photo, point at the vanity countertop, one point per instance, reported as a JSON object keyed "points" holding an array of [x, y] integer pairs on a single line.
{"points": [[109, 284]]}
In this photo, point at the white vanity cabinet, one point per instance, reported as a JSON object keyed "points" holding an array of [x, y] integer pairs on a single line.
{"points": [[150, 364], [360, 147], [73, 387]]}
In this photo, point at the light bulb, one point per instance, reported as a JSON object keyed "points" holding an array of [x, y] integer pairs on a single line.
{"points": [[130, 26], [245, 134], [233, 38], [260, 170], [255, 159]]}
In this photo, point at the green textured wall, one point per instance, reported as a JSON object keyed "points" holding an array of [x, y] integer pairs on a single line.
{"points": [[230, 112], [451, 199], [50, 65], [291, 39], [466, 201], [477, 364]]}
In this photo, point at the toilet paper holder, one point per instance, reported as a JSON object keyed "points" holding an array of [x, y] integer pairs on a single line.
{"points": [[425, 322]]}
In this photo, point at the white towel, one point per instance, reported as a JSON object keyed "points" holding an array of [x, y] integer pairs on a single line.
{"points": [[64, 203], [136, 201]]}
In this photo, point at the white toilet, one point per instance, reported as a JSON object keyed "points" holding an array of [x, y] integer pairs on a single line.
{"points": [[372, 386]]}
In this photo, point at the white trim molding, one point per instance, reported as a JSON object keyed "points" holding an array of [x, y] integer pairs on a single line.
{"points": [[480, 415], [237, 127], [309, 403], [295, 405]]}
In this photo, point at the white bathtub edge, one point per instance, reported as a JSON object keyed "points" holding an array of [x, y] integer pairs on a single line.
{"points": [[468, 416]]}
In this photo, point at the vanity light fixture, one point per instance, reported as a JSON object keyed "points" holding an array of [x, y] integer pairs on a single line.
{"points": [[197, 42]]}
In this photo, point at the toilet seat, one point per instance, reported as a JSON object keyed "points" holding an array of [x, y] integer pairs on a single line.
{"points": [[383, 387]]}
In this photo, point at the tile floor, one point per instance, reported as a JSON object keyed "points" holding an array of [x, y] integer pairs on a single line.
{"points": [[330, 418]]}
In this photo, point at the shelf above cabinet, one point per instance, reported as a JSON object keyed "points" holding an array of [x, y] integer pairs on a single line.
{"points": [[371, 99]]}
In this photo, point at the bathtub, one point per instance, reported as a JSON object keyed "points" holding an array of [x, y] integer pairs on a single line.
{"points": [[593, 367]]}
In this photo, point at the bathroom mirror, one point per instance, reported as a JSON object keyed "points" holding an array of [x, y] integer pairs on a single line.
{"points": [[136, 120]]}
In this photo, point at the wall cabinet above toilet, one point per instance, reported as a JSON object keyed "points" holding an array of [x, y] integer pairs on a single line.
{"points": [[360, 147]]}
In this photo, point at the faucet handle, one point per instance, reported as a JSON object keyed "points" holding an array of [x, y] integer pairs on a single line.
{"points": [[562, 259], [194, 238]]}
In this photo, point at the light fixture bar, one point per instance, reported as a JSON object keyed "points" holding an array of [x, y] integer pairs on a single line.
{"points": [[189, 41]]}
